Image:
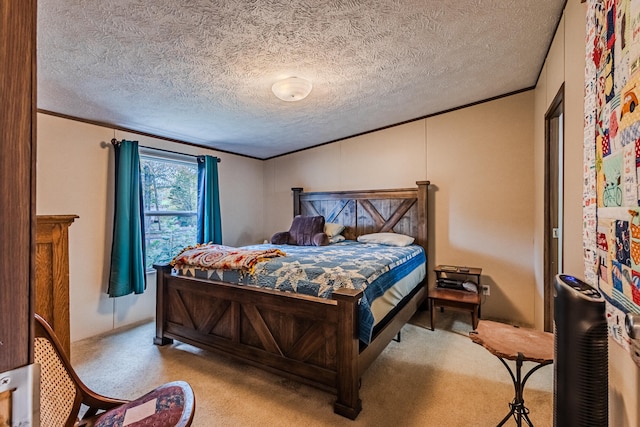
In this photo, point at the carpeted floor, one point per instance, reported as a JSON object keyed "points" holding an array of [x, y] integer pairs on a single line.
{"points": [[437, 378]]}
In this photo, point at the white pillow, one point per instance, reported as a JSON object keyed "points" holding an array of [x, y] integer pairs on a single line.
{"points": [[332, 229], [392, 239], [337, 238]]}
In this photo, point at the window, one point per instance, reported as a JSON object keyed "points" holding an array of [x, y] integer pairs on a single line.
{"points": [[170, 197]]}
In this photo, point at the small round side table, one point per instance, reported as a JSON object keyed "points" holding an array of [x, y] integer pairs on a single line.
{"points": [[519, 344]]}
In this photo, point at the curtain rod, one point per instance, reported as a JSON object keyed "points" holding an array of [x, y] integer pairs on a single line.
{"points": [[115, 142]]}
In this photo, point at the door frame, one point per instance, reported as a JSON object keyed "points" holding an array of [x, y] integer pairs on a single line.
{"points": [[553, 212], [17, 181]]}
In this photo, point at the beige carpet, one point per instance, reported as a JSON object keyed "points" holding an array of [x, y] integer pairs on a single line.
{"points": [[430, 378]]}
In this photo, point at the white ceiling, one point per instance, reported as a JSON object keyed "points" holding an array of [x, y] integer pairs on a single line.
{"points": [[201, 71]]}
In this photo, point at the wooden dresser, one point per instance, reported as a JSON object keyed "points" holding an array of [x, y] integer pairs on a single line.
{"points": [[52, 273]]}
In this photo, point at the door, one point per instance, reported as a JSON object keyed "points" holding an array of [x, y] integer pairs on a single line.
{"points": [[553, 189]]}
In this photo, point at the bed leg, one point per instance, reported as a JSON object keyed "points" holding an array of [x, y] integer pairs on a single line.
{"points": [[346, 411], [348, 403], [161, 271], [162, 341]]}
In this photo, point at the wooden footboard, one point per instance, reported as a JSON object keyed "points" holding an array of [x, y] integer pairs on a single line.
{"points": [[311, 340]]}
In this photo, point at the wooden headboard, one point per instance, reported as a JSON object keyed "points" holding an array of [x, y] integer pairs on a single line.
{"points": [[402, 210]]}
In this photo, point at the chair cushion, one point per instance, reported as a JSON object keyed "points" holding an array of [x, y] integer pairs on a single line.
{"points": [[171, 404]]}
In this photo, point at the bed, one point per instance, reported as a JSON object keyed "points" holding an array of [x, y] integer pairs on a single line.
{"points": [[307, 338]]}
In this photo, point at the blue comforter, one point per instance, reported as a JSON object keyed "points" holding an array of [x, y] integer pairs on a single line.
{"points": [[319, 270]]}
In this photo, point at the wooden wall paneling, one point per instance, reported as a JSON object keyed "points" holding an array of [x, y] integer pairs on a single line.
{"points": [[17, 180]]}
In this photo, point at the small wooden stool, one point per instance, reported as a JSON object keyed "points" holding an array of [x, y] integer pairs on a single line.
{"points": [[519, 344], [458, 300]]}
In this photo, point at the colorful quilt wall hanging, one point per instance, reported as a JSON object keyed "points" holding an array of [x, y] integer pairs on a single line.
{"points": [[611, 202]]}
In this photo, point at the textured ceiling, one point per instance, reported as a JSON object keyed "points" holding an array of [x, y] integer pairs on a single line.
{"points": [[201, 71]]}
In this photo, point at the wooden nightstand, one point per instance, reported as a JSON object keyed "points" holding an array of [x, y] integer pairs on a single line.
{"points": [[449, 291]]}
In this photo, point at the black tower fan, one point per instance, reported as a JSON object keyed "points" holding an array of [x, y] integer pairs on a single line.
{"points": [[581, 376]]}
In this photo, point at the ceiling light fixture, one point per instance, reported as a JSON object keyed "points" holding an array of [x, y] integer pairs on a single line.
{"points": [[292, 88]]}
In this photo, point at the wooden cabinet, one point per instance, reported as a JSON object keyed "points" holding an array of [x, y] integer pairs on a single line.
{"points": [[52, 273]]}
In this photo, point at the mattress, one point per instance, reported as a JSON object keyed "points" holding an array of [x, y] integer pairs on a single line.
{"points": [[386, 274]]}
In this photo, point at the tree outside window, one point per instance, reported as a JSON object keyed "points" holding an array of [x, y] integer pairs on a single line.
{"points": [[170, 193]]}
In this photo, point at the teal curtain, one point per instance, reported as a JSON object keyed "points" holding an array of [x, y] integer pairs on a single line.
{"points": [[209, 223], [127, 273]]}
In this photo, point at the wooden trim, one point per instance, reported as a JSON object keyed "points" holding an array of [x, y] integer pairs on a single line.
{"points": [[17, 181], [472, 104], [124, 129], [550, 208], [150, 135]]}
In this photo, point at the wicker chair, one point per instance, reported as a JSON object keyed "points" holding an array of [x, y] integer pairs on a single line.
{"points": [[62, 394]]}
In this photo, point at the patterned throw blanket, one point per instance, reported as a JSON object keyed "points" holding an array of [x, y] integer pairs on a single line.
{"points": [[222, 257]]}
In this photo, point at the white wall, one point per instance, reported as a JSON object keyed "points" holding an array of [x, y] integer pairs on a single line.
{"points": [[75, 175], [565, 63], [479, 161], [391, 158]]}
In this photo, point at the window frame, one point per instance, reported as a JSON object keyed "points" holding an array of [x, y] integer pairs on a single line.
{"points": [[148, 153]]}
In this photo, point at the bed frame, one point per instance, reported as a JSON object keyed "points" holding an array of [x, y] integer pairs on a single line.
{"points": [[308, 339]]}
